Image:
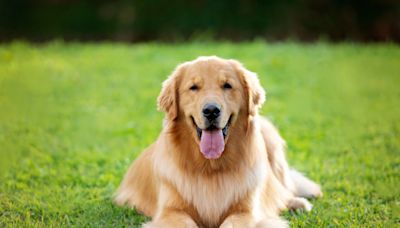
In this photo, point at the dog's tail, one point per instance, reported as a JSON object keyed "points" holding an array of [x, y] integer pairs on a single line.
{"points": [[304, 187]]}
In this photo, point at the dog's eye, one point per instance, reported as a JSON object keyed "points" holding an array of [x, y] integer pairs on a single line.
{"points": [[194, 87], [227, 86]]}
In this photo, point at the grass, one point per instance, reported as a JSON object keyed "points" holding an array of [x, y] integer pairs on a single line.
{"points": [[73, 117]]}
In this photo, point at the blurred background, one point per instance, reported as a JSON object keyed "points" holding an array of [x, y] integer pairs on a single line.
{"points": [[178, 20]]}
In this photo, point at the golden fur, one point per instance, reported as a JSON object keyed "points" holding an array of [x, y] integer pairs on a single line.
{"points": [[175, 185]]}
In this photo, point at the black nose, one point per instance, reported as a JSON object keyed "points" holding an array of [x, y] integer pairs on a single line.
{"points": [[211, 111]]}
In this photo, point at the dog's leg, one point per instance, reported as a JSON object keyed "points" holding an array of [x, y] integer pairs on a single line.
{"points": [[172, 210], [304, 187], [247, 220], [172, 219], [299, 203], [239, 220], [272, 222]]}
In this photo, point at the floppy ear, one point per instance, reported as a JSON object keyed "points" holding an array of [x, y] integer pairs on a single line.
{"points": [[255, 94], [168, 99]]}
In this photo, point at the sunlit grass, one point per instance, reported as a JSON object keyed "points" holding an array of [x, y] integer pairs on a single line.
{"points": [[74, 116]]}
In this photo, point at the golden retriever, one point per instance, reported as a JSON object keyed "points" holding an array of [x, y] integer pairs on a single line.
{"points": [[216, 163]]}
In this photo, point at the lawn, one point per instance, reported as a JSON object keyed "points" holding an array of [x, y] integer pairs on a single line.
{"points": [[73, 117]]}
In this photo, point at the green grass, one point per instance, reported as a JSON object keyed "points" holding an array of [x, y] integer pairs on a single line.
{"points": [[74, 116]]}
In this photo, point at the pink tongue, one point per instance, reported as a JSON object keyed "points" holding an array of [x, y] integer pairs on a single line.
{"points": [[212, 144]]}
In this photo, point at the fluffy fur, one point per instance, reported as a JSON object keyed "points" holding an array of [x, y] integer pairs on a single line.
{"points": [[251, 182]]}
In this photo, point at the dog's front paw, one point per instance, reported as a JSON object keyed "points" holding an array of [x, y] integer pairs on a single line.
{"points": [[170, 224], [299, 203], [314, 191], [272, 222], [227, 225]]}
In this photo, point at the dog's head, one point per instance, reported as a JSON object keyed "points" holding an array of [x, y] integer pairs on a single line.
{"points": [[209, 95]]}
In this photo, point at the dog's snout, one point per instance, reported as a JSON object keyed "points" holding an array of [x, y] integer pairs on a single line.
{"points": [[211, 111]]}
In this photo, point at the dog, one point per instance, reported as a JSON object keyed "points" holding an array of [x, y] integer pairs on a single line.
{"points": [[216, 163]]}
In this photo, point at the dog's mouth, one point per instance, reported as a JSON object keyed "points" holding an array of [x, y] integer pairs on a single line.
{"points": [[212, 127], [212, 139]]}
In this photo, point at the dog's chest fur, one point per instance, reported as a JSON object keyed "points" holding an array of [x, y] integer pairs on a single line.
{"points": [[212, 196]]}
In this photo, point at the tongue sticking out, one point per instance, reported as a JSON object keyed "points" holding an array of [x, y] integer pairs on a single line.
{"points": [[212, 144]]}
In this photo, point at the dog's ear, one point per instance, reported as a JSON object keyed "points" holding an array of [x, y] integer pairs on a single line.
{"points": [[168, 99], [255, 94]]}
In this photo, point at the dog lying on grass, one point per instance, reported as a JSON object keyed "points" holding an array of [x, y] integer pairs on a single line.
{"points": [[216, 163]]}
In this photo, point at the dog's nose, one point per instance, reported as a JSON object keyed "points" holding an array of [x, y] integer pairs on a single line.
{"points": [[211, 111]]}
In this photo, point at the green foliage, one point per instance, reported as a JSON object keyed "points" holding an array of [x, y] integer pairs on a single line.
{"points": [[73, 117], [177, 20]]}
